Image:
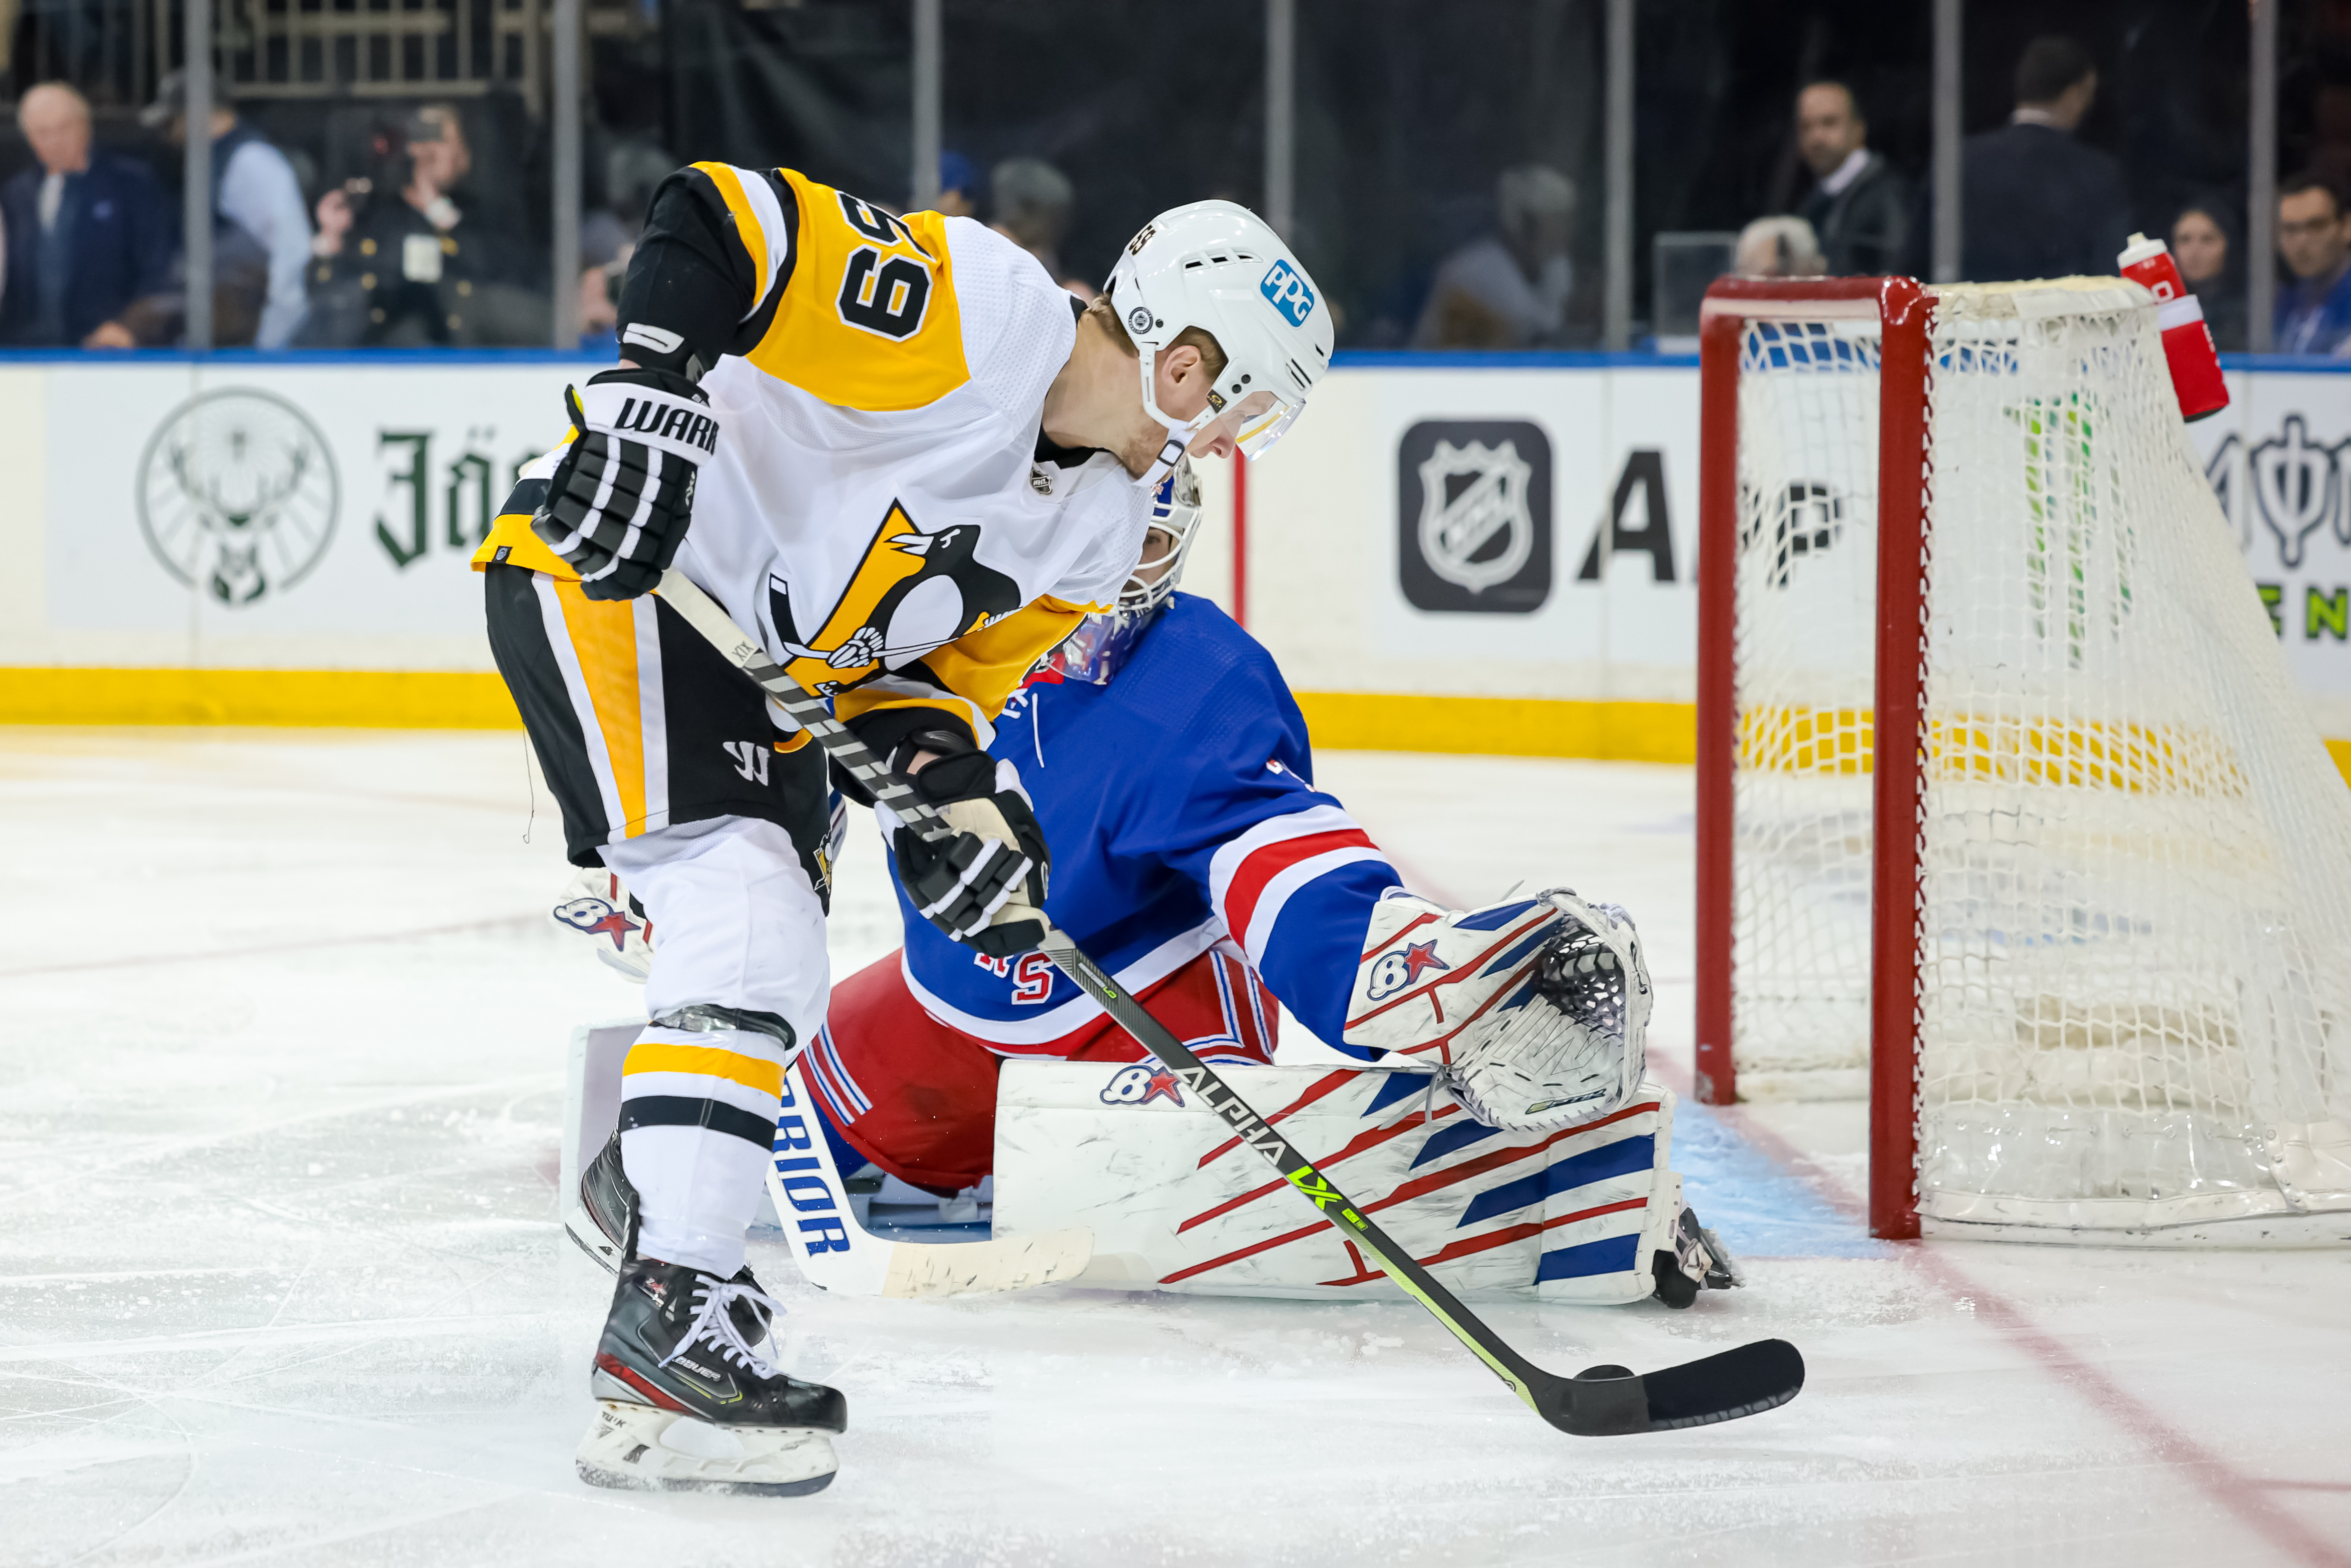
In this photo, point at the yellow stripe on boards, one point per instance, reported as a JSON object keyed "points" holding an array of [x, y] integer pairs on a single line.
{"points": [[709, 1061], [1501, 727], [365, 699], [452, 700]]}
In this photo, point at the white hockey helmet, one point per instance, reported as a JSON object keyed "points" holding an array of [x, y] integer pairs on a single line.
{"points": [[1220, 267]]}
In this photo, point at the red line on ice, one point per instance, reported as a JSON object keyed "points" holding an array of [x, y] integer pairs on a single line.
{"points": [[2215, 1475]]}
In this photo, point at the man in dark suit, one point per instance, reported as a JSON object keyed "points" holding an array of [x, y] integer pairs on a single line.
{"points": [[1860, 207], [88, 232], [2033, 202]]}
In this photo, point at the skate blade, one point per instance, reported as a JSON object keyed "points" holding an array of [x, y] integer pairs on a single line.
{"points": [[1007, 1263], [635, 1447], [583, 1230]]}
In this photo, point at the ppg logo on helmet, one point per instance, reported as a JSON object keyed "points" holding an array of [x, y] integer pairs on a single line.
{"points": [[1288, 293]]}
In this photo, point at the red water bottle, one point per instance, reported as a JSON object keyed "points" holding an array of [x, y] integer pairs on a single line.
{"points": [[2187, 340]]}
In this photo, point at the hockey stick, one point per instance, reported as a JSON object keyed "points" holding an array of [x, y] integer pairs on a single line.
{"points": [[1603, 1401], [838, 1254]]}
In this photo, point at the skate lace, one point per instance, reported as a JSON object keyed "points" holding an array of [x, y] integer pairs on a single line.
{"points": [[714, 1325]]}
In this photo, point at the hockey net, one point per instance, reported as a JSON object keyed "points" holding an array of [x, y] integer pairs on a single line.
{"points": [[2085, 939]]}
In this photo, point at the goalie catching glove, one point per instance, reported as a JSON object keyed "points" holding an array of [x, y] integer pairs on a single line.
{"points": [[618, 503], [984, 885], [1536, 1008]]}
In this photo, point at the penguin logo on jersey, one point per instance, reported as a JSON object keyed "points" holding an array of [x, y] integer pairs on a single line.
{"points": [[910, 593]]}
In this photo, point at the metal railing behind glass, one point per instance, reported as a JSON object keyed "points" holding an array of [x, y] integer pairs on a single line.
{"points": [[392, 49]]}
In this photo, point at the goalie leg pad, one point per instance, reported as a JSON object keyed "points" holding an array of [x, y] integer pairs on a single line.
{"points": [[1536, 1008]]}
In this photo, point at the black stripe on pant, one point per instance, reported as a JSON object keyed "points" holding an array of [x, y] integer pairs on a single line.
{"points": [[685, 1111]]}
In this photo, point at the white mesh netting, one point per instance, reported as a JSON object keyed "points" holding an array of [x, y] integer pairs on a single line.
{"points": [[2135, 992]]}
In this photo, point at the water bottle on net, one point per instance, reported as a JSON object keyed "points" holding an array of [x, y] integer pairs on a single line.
{"points": [[2187, 340]]}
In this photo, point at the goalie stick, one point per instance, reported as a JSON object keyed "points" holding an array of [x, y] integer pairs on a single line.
{"points": [[1600, 1401], [836, 1254]]}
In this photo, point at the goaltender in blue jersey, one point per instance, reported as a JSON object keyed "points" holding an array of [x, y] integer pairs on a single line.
{"points": [[1200, 866]]}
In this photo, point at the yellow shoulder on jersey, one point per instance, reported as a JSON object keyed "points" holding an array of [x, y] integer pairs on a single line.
{"points": [[869, 319]]}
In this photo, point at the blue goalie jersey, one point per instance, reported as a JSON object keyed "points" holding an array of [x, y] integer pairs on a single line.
{"points": [[1179, 804]]}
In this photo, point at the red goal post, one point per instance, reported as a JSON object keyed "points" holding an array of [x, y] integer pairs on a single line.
{"points": [[1904, 311]]}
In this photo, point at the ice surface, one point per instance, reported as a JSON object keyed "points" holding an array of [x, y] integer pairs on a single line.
{"points": [[281, 1063]]}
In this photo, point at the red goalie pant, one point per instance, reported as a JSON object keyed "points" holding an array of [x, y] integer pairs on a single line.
{"points": [[918, 1098]]}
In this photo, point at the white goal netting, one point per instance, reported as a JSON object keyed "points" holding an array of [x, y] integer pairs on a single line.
{"points": [[2135, 859]]}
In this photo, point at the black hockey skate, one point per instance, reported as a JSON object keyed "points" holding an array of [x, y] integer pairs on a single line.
{"points": [[1699, 1261], [685, 1405], [609, 1203]]}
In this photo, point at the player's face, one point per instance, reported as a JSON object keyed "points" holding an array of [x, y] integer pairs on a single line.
{"points": [[1222, 434], [1158, 555]]}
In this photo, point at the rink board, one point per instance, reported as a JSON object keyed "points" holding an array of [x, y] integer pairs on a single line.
{"points": [[1176, 1203], [382, 472]]}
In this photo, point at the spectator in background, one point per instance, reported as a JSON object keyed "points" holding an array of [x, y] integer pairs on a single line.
{"points": [[258, 211], [2035, 202], [634, 169], [1778, 247], [1032, 210], [1859, 210], [2313, 312], [2204, 243], [88, 235], [1508, 289], [410, 266], [959, 190]]}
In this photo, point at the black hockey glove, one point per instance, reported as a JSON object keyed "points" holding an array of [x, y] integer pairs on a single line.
{"points": [[985, 885], [617, 507]]}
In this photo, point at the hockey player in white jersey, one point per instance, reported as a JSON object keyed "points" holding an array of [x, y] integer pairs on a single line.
{"points": [[1208, 872], [899, 452]]}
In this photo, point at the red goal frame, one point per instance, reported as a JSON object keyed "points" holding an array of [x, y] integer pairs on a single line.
{"points": [[1904, 311]]}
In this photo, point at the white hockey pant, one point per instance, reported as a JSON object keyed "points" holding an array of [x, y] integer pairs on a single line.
{"points": [[740, 928]]}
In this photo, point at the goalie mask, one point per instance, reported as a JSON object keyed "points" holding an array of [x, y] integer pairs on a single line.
{"points": [[1220, 267], [1102, 643]]}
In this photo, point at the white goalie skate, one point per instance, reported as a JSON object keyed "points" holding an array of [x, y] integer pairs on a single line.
{"points": [[1538, 1008]]}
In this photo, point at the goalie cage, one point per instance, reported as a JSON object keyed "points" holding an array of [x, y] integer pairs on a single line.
{"points": [[2084, 936]]}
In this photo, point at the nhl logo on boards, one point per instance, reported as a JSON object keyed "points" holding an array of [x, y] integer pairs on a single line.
{"points": [[1473, 515], [237, 494]]}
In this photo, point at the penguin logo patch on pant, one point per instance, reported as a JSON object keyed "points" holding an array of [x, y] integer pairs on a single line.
{"points": [[911, 592]]}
